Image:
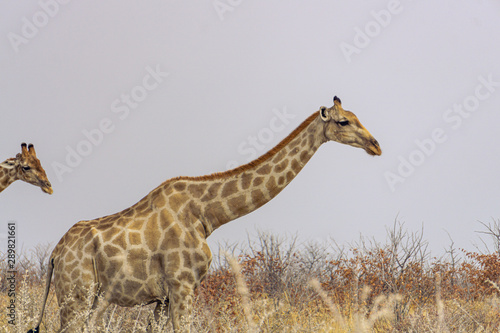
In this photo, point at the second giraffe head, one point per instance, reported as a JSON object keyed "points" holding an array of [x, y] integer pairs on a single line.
{"points": [[28, 168]]}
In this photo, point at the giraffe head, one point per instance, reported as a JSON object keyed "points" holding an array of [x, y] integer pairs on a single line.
{"points": [[28, 168], [344, 127]]}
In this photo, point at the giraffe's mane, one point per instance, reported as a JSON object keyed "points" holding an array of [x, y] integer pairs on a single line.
{"points": [[255, 162]]}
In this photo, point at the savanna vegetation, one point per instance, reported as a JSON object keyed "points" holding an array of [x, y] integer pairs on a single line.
{"points": [[275, 284]]}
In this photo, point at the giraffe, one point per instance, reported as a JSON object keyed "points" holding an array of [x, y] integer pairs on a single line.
{"points": [[25, 166], [156, 251]]}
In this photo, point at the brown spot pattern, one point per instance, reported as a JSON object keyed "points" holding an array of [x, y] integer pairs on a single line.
{"points": [[186, 276], [177, 200], [229, 188], [293, 152], [137, 260], [165, 219], [114, 267], [296, 166], [131, 287], [304, 156], [111, 250], [212, 192], [264, 170], [134, 238], [186, 256], [179, 186], [246, 180], [170, 242], [257, 181], [108, 234], [279, 168], [173, 262], [279, 156], [238, 205], [136, 224], [120, 240], [215, 209], [257, 197], [271, 186], [152, 234], [157, 264], [197, 190], [159, 200]]}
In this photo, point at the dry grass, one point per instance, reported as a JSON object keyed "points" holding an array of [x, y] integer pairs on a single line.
{"points": [[278, 287]]}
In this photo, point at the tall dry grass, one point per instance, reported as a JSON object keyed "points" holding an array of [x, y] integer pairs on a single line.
{"points": [[274, 284]]}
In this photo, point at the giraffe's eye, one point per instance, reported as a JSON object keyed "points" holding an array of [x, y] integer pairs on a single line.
{"points": [[344, 123], [26, 167]]}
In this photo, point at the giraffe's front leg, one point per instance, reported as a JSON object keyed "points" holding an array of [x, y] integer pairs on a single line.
{"points": [[161, 317], [180, 309], [98, 309]]}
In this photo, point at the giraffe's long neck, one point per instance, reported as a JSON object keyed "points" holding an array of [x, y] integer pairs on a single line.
{"points": [[7, 177], [220, 198]]}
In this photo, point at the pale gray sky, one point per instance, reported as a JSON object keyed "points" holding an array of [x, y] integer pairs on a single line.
{"points": [[190, 88]]}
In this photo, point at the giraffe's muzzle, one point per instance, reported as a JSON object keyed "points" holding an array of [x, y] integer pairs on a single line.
{"points": [[373, 148], [47, 187]]}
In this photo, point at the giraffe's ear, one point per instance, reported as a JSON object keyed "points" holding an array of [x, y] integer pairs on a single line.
{"points": [[336, 100], [324, 113]]}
